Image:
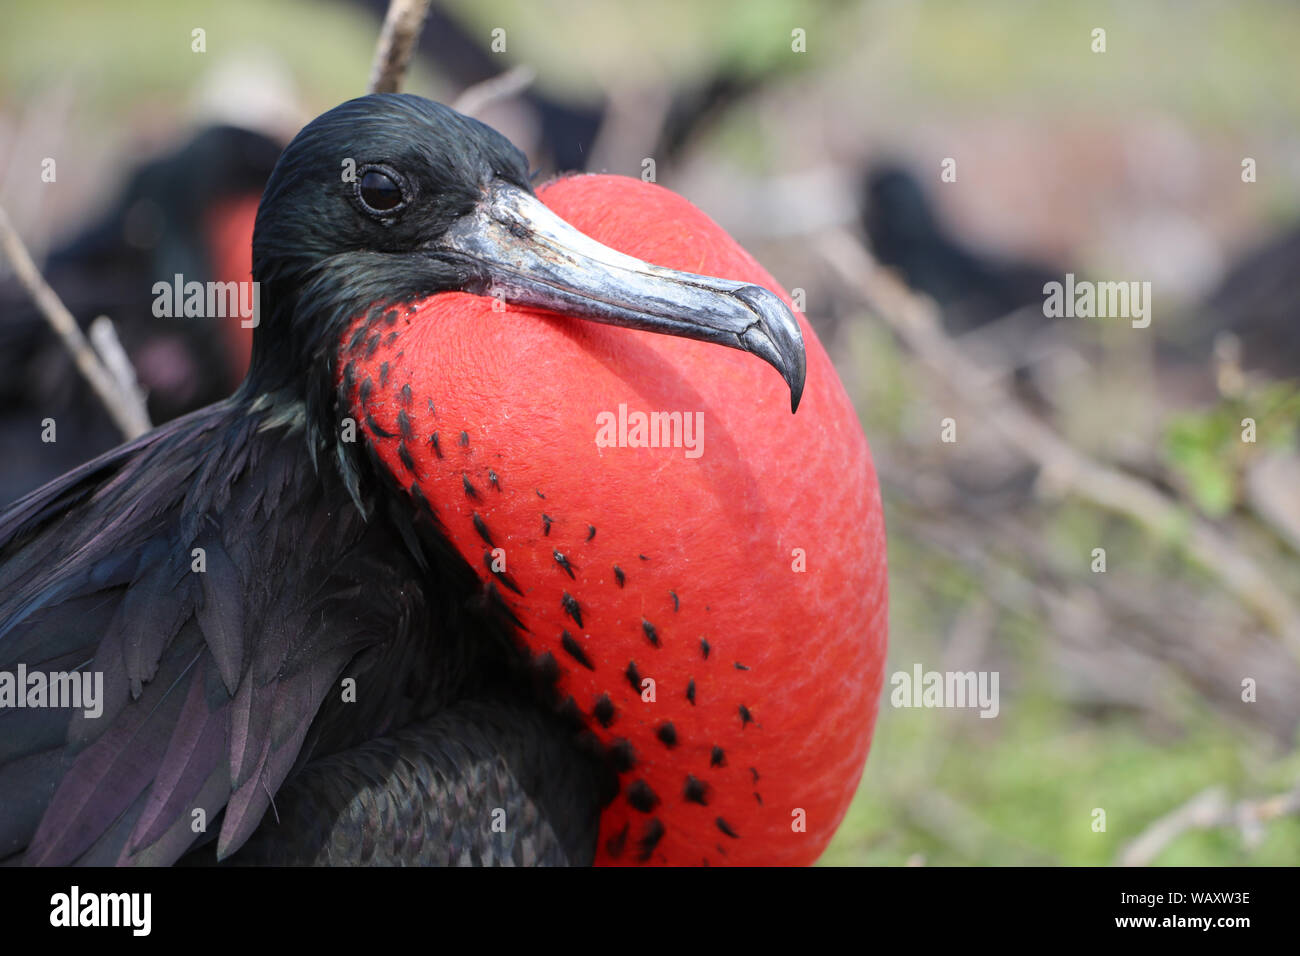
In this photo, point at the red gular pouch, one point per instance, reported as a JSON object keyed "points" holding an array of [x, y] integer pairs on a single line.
{"points": [[706, 567]]}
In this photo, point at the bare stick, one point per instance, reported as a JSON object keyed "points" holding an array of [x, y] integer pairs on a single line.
{"points": [[915, 319], [127, 409], [1198, 813], [397, 39], [474, 99], [103, 336], [1207, 810]]}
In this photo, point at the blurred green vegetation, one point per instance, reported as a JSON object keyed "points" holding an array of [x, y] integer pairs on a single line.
{"points": [[120, 54], [947, 787], [1027, 789], [1201, 59], [1205, 448]]}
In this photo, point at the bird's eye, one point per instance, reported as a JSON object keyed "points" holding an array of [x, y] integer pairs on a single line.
{"points": [[378, 192]]}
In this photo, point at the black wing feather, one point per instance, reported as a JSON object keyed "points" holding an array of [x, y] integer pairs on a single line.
{"points": [[200, 710], [221, 686]]}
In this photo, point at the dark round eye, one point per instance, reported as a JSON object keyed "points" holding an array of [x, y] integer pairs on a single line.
{"points": [[378, 192]]}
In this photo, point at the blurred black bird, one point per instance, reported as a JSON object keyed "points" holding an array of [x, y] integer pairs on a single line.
{"points": [[994, 306], [972, 288], [188, 212], [1256, 301]]}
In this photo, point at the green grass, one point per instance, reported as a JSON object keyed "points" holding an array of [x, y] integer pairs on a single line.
{"points": [[123, 55], [951, 788], [1031, 780]]}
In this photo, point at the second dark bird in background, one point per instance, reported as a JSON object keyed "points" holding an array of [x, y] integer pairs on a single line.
{"points": [[190, 213], [906, 233], [1258, 302]]}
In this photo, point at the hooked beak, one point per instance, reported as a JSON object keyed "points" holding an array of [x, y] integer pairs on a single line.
{"points": [[532, 257]]}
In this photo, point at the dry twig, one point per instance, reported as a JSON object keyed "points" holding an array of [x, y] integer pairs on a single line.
{"points": [[397, 38], [125, 405], [474, 99], [103, 336], [915, 319], [1208, 810]]}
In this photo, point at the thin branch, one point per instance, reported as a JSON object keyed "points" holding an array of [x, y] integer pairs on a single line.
{"points": [[474, 99], [915, 319], [1270, 487], [1199, 813], [397, 38], [634, 121], [1209, 809], [103, 336], [126, 408]]}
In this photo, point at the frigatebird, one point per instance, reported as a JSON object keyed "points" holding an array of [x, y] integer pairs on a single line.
{"points": [[386, 605], [1255, 301]]}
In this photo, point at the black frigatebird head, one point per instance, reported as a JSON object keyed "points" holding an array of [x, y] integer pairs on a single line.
{"points": [[390, 198]]}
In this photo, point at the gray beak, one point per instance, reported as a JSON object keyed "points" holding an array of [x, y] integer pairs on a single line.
{"points": [[530, 256]]}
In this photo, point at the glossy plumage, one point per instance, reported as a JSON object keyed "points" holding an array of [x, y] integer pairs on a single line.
{"points": [[300, 651]]}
